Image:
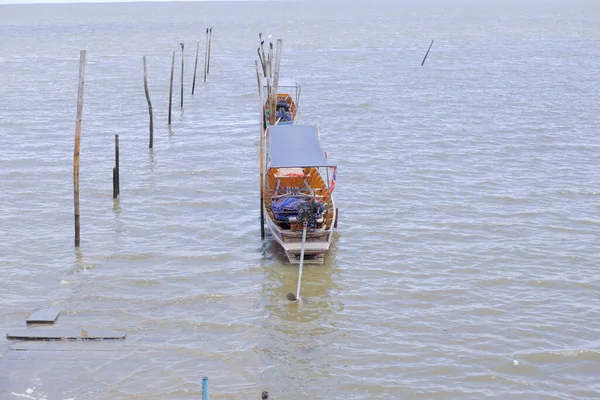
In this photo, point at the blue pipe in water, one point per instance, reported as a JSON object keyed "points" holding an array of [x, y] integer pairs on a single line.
{"points": [[205, 388]]}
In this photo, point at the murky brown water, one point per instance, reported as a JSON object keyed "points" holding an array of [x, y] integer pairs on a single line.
{"points": [[465, 265]]}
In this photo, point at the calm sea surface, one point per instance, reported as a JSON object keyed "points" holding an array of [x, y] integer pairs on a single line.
{"points": [[466, 264]]}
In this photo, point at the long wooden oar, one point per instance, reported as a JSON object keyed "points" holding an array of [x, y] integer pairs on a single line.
{"points": [[291, 296]]}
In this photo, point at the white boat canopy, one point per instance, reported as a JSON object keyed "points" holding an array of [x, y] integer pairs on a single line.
{"points": [[295, 146]]}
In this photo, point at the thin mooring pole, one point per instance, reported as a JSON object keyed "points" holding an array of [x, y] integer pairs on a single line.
{"points": [[205, 55], [195, 66], [116, 183], [171, 87], [276, 76], [264, 58], [273, 90], [262, 134], [209, 43], [77, 144], [424, 58], [270, 72], [182, 45], [149, 103]]}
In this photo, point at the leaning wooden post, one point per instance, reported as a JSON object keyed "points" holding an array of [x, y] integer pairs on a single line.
{"points": [[182, 45], [264, 58], [276, 78], [270, 61], [424, 58], [209, 43], [116, 183], [195, 66], [262, 135], [171, 87], [273, 90], [77, 144], [205, 55], [149, 103]]}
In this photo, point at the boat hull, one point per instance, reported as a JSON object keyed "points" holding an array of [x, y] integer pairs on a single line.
{"points": [[316, 245]]}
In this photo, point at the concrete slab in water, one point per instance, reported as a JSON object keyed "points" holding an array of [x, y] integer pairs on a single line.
{"points": [[65, 334], [46, 316]]}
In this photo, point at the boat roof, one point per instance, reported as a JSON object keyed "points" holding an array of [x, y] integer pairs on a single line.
{"points": [[293, 146]]}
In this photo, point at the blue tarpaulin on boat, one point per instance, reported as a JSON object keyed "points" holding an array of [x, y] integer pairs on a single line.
{"points": [[295, 146]]}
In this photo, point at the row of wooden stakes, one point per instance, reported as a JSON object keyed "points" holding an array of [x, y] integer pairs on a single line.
{"points": [[116, 183]]}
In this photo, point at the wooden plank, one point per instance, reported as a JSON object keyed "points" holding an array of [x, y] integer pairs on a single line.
{"points": [[46, 316], [65, 334]]}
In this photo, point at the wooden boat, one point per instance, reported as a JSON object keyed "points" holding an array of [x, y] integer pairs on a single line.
{"points": [[288, 98], [298, 186]]}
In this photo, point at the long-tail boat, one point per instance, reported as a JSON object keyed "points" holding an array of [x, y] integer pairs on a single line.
{"points": [[297, 192], [288, 99]]}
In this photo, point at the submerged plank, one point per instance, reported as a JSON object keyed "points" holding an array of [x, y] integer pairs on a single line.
{"points": [[46, 316], [65, 334]]}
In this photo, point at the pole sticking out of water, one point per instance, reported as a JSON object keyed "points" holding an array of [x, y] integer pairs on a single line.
{"points": [[291, 296], [204, 388], [424, 58], [150, 104], [171, 87], [206, 55], [195, 66], [78, 143], [209, 43], [116, 183], [276, 75], [264, 58], [182, 45], [262, 134]]}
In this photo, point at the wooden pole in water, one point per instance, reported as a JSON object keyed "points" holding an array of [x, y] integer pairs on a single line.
{"points": [[77, 144], [264, 58], [209, 43], [262, 135], [205, 55], [171, 87], [424, 58], [262, 62], [116, 183], [195, 66], [273, 96], [182, 45], [270, 72], [149, 103], [276, 76]]}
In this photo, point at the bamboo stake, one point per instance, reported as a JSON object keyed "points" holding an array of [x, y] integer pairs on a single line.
{"points": [[264, 58], [276, 75], [262, 62], [195, 66], [273, 93], [205, 55], [209, 43], [270, 60], [149, 103], [423, 62], [262, 134], [116, 183], [182, 45], [171, 87], [77, 144]]}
